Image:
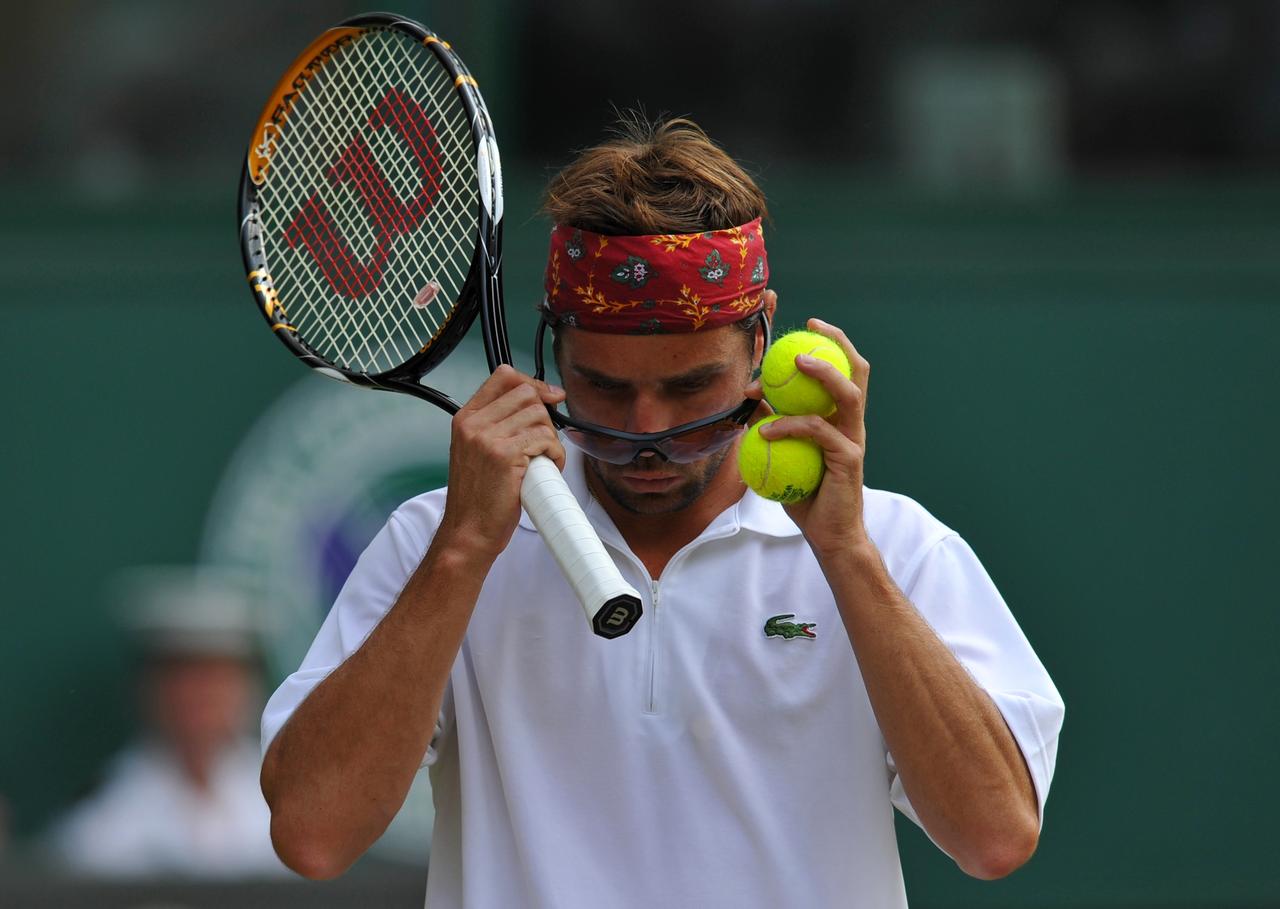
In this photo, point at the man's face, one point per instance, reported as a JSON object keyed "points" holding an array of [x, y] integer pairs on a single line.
{"points": [[199, 703], [648, 383]]}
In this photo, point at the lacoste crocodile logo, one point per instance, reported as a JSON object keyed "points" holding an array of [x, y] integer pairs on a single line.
{"points": [[776, 626]]}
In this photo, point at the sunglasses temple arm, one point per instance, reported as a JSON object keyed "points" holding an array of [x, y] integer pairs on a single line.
{"points": [[539, 372]]}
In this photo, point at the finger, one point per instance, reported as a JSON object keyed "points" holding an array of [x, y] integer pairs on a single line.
{"points": [[859, 368], [522, 420], [837, 448], [537, 442], [763, 409], [848, 396], [511, 401], [556, 453], [523, 392], [549, 393], [527, 442], [476, 425], [503, 380]]}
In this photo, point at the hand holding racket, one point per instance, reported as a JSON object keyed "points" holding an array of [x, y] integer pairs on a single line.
{"points": [[371, 229]]}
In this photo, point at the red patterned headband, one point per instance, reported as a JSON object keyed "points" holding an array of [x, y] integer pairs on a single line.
{"points": [[657, 284]]}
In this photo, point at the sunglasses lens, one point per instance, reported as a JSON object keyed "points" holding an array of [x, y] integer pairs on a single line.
{"points": [[698, 444], [682, 449], [602, 448]]}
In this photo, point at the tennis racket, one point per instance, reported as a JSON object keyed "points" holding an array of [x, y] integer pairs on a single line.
{"points": [[371, 228]]}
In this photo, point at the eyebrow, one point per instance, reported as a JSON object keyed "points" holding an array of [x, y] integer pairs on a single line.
{"points": [[709, 371]]}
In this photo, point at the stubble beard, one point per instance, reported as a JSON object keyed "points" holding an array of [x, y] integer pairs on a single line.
{"points": [[696, 478]]}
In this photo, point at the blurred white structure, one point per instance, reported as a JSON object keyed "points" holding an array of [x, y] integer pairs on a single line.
{"points": [[980, 119]]}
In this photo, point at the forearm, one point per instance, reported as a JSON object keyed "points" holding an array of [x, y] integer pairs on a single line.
{"points": [[339, 770], [957, 760]]}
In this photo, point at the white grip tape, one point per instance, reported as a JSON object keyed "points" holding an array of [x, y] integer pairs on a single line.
{"points": [[570, 537]]}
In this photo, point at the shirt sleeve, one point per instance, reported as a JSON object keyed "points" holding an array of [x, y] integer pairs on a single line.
{"points": [[958, 599], [370, 591]]}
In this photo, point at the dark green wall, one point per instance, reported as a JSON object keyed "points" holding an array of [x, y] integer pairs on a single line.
{"points": [[1086, 387]]}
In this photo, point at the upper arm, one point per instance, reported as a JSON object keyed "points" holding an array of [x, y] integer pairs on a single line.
{"points": [[370, 591], [955, 595]]}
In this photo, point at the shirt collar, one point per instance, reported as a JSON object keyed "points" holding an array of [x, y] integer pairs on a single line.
{"points": [[764, 516], [751, 512]]}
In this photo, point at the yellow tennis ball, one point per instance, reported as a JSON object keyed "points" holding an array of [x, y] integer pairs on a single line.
{"points": [[786, 388], [785, 470]]}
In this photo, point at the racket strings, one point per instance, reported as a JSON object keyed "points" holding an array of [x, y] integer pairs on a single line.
{"points": [[374, 325], [370, 199]]}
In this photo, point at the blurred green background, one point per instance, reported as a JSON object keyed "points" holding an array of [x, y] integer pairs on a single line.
{"points": [[1053, 230]]}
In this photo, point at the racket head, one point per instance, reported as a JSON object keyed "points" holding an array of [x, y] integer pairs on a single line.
{"points": [[370, 204]]}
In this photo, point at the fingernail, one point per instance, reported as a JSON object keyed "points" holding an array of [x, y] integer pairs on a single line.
{"points": [[806, 359]]}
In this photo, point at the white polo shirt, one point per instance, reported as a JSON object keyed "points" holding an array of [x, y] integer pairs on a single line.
{"points": [[696, 761]]}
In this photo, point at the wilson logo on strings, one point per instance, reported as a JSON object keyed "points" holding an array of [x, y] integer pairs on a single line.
{"points": [[314, 228]]}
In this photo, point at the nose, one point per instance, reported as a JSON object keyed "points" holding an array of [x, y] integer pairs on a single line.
{"points": [[649, 413]]}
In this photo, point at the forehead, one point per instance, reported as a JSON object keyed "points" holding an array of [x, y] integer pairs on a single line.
{"points": [[650, 355]]}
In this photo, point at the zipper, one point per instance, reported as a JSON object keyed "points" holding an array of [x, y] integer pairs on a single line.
{"points": [[653, 615], [651, 706]]}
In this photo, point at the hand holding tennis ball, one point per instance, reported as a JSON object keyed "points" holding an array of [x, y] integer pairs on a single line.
{"points": [[789, 469], [787, 389]]}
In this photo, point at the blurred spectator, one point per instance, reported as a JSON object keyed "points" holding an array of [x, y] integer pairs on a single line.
{"points": [[183, 799]]}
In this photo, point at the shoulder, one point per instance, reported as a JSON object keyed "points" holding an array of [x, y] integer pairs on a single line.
{"points": [[394, 552], [418, 518], [900, 518], [902, 529]]}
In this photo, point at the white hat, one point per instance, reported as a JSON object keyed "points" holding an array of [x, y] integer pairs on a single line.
{"points": [[187, 610]]}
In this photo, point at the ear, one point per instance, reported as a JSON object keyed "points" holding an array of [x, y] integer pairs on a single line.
{"points": [[770, 304]]}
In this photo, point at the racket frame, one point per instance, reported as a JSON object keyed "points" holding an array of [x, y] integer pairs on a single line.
{"points": [[481, 293]]}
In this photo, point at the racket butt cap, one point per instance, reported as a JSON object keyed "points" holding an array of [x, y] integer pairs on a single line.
{"points": [[617, 616]]}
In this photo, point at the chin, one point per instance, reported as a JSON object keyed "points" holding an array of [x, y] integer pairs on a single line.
{"points": [[654, 503], [673, 498], [686, 483]]}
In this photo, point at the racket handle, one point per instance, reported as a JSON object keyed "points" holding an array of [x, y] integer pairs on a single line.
{"points": [[612, 605]]}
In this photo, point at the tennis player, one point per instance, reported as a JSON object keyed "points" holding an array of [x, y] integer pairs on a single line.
{"points": [[799, 671]]}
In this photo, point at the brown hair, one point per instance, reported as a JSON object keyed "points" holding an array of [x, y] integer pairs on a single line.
{"points": [[666, 177]]}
